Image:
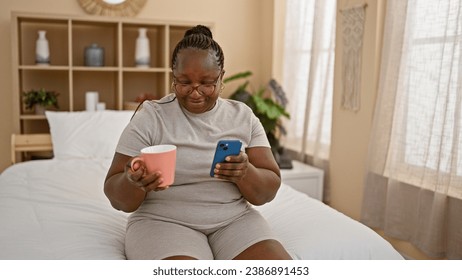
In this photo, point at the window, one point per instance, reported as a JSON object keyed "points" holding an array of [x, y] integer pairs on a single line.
{"points": [[429, 97]]}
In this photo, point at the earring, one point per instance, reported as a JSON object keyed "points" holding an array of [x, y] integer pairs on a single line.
{"points": [[222, 87]]}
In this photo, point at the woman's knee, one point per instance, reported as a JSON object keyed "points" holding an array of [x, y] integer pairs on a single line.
{"points": [[265, 250]]}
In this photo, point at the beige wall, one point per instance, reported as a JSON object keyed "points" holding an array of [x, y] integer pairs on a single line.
{"points": [[350, 130], [242, 27]]}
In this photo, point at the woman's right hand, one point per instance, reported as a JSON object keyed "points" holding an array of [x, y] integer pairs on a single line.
{"points": [[127, 188], [137, 174]]}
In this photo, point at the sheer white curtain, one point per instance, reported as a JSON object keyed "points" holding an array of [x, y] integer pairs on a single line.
{"points": [[414, 183], [308, 69]]}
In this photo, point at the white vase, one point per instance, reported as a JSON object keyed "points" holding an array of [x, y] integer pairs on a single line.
{"points": [[142, 53], [42, 50]]}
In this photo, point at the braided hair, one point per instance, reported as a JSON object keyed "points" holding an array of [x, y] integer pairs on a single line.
{"points": [[199, 37]]}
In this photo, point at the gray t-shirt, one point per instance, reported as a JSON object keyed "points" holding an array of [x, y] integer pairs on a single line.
{"points": [[193, 192]]}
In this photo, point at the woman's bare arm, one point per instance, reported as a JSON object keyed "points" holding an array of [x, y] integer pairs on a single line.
{"points": [[126, 189]]}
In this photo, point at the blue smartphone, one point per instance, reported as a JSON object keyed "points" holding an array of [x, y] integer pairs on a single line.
{"points": [[225, 148]]}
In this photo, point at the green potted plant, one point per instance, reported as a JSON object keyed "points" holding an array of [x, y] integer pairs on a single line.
{"points": [[40, 100], [269, 109]]}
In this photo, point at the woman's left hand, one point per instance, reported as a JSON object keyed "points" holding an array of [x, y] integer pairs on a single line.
{"points": [[233, 169]]}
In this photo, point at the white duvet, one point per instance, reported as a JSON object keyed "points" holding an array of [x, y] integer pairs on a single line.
{"points": [[56, 209]]}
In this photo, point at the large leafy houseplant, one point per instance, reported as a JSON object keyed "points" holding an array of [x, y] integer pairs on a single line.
{"points": [[41, 97], [269, 109]]}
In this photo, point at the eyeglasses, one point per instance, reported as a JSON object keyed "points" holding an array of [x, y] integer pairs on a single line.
{"points": [[203, 89]]}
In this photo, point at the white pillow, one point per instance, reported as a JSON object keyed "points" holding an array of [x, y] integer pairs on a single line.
{"points": [[86, 134]]}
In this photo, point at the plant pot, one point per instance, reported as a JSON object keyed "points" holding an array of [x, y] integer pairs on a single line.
{"points": [[39, 109]]}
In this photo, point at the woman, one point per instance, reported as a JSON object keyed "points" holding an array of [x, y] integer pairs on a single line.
{"points": [[199, 216]]}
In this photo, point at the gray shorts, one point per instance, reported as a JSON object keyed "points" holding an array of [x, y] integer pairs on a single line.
{"points": [[153, 239]]}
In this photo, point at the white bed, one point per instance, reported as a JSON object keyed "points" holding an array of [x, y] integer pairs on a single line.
{"points": [[56, 209]]}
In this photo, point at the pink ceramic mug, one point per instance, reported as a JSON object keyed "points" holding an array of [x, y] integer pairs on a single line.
{"points": [[159, 158]]}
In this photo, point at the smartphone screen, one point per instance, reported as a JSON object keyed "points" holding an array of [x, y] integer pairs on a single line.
{"points": [[225, 148]]}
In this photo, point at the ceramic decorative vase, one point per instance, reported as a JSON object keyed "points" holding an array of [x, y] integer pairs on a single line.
{"points": [[142, 53], [42, 50], [94, 56]]}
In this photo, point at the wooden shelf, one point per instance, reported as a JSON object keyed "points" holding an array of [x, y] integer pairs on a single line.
{"points": [[140, 69], [33, 117], [43, 68], [118, 82], [90, 69]]}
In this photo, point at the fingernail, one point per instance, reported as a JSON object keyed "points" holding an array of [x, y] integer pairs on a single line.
{"points": [[217, 166]]}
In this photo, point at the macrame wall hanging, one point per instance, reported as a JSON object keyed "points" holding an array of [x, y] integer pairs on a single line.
{"points": [[353, 30]]}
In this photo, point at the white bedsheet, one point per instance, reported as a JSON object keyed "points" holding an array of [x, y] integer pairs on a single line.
{"points": [[56, 209], [310, 229]]}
